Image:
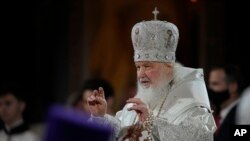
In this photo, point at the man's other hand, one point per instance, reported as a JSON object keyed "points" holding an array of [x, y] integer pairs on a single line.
{"points": [[140, 107]]}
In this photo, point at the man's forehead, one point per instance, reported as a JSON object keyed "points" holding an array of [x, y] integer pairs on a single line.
{"points": [[219, 73], [146, 63], [8, 96], [87, 93]]}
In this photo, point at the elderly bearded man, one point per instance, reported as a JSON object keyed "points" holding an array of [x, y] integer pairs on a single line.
{"points": [[171, 102]]}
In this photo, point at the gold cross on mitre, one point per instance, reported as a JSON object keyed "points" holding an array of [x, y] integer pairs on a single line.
{"points": [[155, 12]]}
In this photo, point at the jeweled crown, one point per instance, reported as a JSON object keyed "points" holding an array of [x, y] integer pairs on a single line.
{"points": [[155, 40]]}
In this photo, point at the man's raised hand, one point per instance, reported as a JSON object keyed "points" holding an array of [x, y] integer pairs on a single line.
{"points": [[97, 103]]}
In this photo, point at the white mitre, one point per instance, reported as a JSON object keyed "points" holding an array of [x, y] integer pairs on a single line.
{"points": [[155, 40]]}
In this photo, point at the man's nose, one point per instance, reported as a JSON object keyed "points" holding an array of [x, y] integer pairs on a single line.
{"points": [[141, 72]]}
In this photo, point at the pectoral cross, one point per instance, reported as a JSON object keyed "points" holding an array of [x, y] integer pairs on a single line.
{"points": [[155, 12]]}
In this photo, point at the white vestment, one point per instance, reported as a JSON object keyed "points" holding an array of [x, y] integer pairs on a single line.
{"points": [[185, 114], [23, 134]]}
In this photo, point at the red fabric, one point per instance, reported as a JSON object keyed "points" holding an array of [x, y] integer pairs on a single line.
{"points": [[217, 122]]}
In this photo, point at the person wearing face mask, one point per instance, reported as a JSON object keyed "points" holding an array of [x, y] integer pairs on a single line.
{"points": [[225, 86]]}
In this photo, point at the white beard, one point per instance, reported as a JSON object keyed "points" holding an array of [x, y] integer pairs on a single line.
{"points": [[152, 96]]}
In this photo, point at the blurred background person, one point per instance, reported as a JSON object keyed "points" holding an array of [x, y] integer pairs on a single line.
{"points": [[12, 106], [75, 101], [79, 100], [243, 116], [225, 87]]}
